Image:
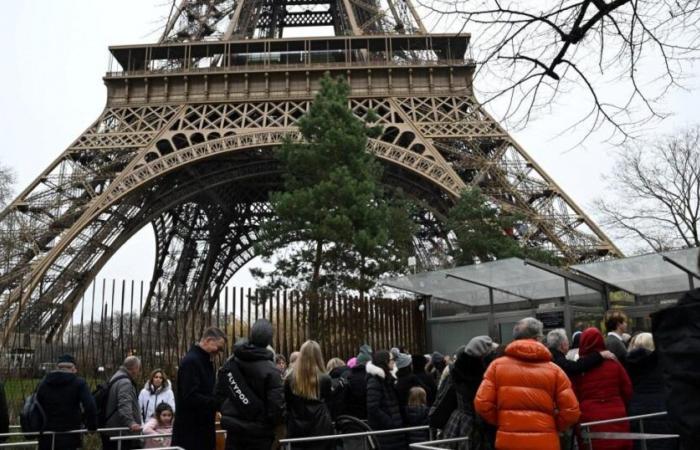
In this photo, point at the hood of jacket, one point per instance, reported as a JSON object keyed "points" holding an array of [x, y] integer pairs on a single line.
{"points": [[250, 352], [467, 367], [592, 341], [60, 378], [528, 350], [690, 297], [338, 371], [153, 390], [642, 359]]}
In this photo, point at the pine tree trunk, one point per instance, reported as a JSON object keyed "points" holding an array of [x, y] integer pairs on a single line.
{"points": [[313, 325]]}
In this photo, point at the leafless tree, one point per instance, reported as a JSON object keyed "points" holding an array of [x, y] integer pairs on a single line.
{"points": [[656, 192], [7, 182], [625, 54]]}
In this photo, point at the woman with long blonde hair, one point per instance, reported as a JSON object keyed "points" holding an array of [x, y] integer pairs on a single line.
{"points": [[307, 391]]}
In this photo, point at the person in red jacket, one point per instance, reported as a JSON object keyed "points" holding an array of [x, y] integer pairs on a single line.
{"points": [[603, 393], [526, 395]]}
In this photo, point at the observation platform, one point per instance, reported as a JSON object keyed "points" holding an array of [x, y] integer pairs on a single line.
{"points": [[259, 68]]}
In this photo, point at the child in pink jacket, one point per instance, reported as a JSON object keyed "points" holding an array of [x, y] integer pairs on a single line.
{"points": [[160, 423]]}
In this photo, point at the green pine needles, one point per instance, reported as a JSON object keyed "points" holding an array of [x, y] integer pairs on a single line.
{"points": [[335, 230]]}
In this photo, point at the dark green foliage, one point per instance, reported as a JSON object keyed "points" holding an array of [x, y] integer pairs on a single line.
{"points": [[334, 230], [482, 233]]}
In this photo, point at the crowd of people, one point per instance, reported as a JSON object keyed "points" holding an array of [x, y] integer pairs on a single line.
{"points": [[528, 394]]}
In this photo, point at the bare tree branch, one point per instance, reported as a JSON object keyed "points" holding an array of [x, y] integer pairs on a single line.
{"points": [[657, 187], [645, 46]]}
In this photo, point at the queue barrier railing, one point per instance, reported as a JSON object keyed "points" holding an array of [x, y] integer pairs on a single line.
{"points": [[141, 437], [53, 434], [643, 437], [287, 443], [34, 444], [430, 445]]}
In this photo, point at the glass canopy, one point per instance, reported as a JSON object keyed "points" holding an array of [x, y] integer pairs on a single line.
{"points": [[652, 274], [515, 280]]}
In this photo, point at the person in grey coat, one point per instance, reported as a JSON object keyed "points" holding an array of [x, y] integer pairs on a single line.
{"points": [[122, 408]]}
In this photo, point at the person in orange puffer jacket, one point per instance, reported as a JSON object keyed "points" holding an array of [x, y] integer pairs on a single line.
{"points": [[526, 395]]}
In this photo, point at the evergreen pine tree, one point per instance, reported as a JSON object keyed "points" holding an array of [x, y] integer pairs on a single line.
{"points": [[334, 229]]}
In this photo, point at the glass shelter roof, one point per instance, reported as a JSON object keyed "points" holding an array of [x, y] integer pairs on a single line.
{"points": [[515, 280], [652, 274]]}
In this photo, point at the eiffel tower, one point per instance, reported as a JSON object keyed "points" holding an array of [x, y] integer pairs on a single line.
{"points": [[185, 143]]}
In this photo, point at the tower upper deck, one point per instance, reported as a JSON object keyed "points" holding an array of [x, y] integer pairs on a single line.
{"points": [[216, 70]]}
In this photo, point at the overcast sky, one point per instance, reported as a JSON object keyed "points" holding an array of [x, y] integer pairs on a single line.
{"points": [[55, 52]]}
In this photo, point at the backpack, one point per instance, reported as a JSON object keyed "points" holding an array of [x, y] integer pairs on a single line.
{"points": [[101, 396], [32, 418]]}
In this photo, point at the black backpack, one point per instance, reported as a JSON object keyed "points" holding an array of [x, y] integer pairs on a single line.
{"points": [[101, 395], [32, 418]]}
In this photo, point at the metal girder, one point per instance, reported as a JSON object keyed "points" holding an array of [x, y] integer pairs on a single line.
{"points": [[190, 151]]}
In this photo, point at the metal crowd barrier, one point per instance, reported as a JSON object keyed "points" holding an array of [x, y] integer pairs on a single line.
{"points": [[20, 444], [287, 443], [53, 434], [429, 445], [140, 437], [643, 437]]}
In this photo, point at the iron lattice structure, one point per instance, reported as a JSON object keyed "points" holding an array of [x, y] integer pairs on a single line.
{"points": [[185, 144]]}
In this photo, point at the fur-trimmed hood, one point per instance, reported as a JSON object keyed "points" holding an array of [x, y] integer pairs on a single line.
{"points": [[378, 371], [153, 391], [375, 370]]}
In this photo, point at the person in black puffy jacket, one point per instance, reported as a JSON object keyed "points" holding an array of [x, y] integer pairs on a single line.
{"points": [[649, 392], [64, 396], [417, 415], [307, 391], [419, 362], [383, 412], [676, 337], [356, 390], [251, 392], [338, 372]]}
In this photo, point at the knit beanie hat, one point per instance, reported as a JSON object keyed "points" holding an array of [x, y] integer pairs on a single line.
{"points": [[437, 358], [365, 354], [66, 359], [261, 333], [479, 346], [419, 363], [403, 360]]}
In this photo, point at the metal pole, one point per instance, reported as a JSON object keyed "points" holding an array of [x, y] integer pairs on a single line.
{"points": [[567, 308], [492, 319], [641, 424]]}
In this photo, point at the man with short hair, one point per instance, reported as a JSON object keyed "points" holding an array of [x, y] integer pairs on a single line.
{"points": [[525, 395], [251, 392], [616, 326], [558, 344], [195, 427], [122, 409], [62, 394]]}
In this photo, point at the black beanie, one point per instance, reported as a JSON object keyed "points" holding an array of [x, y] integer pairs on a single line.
{"points": [[261, 333]]}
